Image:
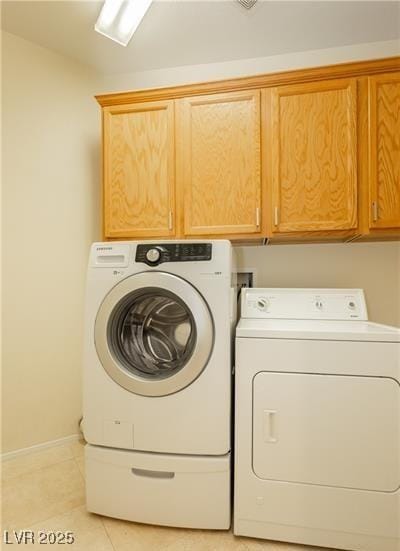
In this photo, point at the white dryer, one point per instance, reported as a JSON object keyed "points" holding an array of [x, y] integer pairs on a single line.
{"points": [[317, 416], [157, 381]]}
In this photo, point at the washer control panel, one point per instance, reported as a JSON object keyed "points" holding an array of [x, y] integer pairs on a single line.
{"points": [[328, 304], [154, 254]]}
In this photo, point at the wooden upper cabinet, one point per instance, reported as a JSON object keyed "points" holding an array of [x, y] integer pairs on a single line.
{"points": [[384, 151], [218, 158], [311, 155], [139, 170]]}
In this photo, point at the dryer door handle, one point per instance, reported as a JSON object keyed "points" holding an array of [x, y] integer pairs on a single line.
{"points": [[153, 474], [269, 426]]}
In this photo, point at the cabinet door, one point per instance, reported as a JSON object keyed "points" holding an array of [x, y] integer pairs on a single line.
{"points": [[384, 151], [312, 142], [139, 170], [219, 155]]}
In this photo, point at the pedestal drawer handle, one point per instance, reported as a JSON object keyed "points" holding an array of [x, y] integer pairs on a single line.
{"points": [[153, 474]]}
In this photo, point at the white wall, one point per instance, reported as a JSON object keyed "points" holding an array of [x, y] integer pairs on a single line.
{"points": [[51, 188], [175, 76]]}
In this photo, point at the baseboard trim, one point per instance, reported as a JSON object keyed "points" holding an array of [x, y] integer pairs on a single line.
{"points": [[39, 447]]}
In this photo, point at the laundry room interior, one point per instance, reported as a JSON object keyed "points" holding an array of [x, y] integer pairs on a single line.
{"points": [[201, 275]]}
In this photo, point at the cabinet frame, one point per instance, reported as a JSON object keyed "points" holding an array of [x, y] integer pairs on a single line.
{"points": [[373, 205]]}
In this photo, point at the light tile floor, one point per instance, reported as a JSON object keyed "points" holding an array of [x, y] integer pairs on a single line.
{"points": [[45, 491]]}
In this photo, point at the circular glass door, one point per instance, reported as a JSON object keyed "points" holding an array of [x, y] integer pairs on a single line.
{"points": [[154, 333]]}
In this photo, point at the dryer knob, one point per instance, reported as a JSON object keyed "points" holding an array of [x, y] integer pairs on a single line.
{"points": [[153, 255], [262, 304]]}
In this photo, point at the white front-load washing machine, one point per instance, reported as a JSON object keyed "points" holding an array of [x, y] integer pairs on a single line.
{"points": [[157, 381], [317, 458]]}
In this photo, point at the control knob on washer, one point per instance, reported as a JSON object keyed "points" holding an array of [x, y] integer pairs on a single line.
{"points": [[153, 255], [262, 303]]}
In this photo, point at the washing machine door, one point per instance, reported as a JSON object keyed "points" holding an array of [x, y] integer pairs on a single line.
{"points": [[154, 333]]}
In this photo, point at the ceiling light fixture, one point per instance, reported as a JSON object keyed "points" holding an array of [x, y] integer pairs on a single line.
{"points": [[119, 19]]}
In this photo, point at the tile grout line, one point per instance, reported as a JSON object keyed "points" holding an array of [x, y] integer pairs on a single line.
{"points": [[54, 516], [8, 479], [37, 469], [77, 466], [107, 534], [101, 519]]}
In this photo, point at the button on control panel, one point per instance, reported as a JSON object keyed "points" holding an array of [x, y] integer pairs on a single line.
{"points": [[153, 254]]}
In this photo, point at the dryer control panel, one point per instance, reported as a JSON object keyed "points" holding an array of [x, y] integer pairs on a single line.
{"points": [[153, 254], [303, 304]]}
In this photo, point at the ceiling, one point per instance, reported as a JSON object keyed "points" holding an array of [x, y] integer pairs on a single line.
{"points": [[192, 32]]}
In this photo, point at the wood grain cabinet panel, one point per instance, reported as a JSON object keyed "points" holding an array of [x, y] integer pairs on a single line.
{"points": [[384, 151], [312, 144], [139, 170], [219, 160], [317, 159]]}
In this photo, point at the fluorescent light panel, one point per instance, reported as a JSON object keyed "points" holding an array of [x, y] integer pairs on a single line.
{"points": [[119, 19]]}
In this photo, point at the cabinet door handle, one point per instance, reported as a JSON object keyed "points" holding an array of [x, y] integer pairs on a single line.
{"points": [[374, 211], [258, 217], [170, 221], [269, 427], [276, 216]]}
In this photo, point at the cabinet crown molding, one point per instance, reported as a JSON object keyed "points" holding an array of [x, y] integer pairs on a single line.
{"points": [[342, 70]]}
